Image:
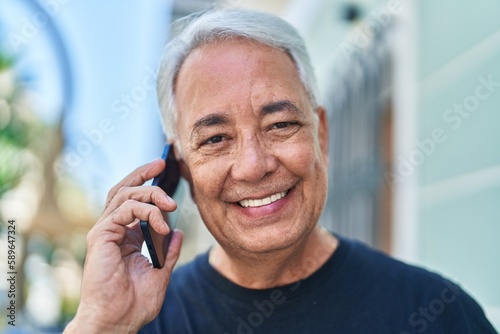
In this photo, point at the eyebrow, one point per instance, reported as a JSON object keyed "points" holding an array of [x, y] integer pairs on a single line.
{"points": [[281, 105], [210, 120], [269, 108]]}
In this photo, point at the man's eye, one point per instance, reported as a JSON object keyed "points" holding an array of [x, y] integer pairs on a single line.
{"points": [[214, 140], [282, 125]]}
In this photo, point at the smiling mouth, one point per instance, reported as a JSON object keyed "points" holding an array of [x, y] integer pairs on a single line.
{"points": [[252, 203]]}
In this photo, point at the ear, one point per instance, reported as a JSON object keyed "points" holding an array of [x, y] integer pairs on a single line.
{"points": [[323, 135], [185, 173]]}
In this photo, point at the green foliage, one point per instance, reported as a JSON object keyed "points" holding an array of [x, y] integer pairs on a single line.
{"points": [[11, 166], [5, 61], [16, 133], [17, 128]]}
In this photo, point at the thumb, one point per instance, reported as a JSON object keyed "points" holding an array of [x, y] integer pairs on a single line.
{"points": [[173, 253]]}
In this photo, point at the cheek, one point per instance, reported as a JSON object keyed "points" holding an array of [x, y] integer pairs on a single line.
{"points": [[208, 179], [299, 157]]}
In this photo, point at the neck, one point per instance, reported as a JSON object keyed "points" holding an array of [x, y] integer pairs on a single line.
{"points": [[278, 268]]}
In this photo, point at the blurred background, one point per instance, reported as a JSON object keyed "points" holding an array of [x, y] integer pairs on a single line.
{"points": [[413, 93]]}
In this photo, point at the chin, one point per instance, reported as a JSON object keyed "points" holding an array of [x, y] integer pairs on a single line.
{"points": [[270, 238]]}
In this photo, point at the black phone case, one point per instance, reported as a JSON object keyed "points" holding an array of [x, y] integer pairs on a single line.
{"points": [[168, 180]]}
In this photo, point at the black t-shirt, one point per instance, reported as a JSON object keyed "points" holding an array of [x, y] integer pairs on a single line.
{"points": [[358, 290]]}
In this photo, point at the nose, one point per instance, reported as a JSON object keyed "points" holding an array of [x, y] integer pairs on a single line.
{"points": [[253, 161]]}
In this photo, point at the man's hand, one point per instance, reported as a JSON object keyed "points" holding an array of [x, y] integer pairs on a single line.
{"points": [[121, 291]]}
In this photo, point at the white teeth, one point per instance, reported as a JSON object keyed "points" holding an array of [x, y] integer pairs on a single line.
{"points": [[263, 201]]}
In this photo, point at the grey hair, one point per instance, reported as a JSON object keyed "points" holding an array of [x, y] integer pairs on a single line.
{"points": [[223, 24]]}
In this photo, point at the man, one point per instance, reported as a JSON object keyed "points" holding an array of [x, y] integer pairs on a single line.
{"points": [[238, 95]]}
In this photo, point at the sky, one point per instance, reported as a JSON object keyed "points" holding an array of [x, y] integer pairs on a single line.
{"points": [[96, 63]]}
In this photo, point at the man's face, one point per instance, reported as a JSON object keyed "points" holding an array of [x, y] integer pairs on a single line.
{"points": [[255, 148]]}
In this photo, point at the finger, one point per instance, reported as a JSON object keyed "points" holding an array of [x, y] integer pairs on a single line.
{"points": [[149, 194], [127, 213], [173, 253], [138, 177], [133, 240]]}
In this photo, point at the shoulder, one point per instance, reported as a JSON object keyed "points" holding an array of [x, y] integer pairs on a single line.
{"points": [[364, 260], [387, 275], [426, 299]]}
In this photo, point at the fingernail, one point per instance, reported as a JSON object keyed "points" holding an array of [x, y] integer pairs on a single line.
{"points": [[169, 199]]}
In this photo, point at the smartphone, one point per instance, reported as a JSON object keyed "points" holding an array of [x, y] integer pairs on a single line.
{"points": [[168, 180]]}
